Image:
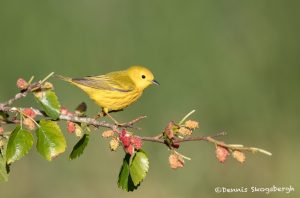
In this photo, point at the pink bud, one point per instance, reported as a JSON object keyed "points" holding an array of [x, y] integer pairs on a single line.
{"points": [[137, 142], [129, 149], [71, 127], [29, 112], [221, 153], [22, 84], [63, 110], [126, 140]]}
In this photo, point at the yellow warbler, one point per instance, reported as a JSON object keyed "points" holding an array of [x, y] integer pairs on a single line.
{"points": [[115, 90]]}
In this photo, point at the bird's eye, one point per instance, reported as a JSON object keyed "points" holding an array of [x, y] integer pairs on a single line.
{"points": [[143, 76]]}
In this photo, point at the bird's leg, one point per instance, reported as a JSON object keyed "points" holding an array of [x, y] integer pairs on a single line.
{"points": [[100, 115], [115, 121], [104, 113]]}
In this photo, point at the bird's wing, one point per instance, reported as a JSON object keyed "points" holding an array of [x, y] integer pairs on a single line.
{"points": [[109, 82]]}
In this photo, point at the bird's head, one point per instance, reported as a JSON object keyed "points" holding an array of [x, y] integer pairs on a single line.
{"points": [[141, 76]]}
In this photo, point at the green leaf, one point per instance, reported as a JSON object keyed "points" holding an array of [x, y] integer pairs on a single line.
{"points": [[79, 147], [49, 103], [19, 143], [3, 169], [139, 167], [50, 140], [125, 182]]}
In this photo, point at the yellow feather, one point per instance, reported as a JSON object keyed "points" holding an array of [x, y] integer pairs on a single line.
{"points": [[115, 90]]}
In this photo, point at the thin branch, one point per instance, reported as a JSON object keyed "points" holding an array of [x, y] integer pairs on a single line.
{"points": [[136, 120], [115, 127], [186, 116], [238, 147], [205, 138], [20, 95], [152, 139], [159, 139], [88, 121], [23, 93], [73, 118], [16, 97]]}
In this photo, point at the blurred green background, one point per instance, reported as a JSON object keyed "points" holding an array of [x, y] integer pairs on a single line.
{"points": [[235, 62]]}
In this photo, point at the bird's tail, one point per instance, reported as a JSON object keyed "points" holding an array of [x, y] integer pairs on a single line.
{"points": [[64, 78]]}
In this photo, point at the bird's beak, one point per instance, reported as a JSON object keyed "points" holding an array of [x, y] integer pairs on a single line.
{"points": [[155, 82]]}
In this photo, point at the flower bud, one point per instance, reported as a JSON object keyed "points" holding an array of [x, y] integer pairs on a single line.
{"points": [[129, 149], [137, 142], [239, 156], [47, 85], [29, 124], [176, 161], [191, 124], [185, 131], [22, 84], [221, 153], [108, 133], [71, 127], [169, 130], [113, 144], [126, 140], [29, 112], [63, 110]]}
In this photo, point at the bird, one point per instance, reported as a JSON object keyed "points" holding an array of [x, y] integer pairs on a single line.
{"points": [[115, 90]]}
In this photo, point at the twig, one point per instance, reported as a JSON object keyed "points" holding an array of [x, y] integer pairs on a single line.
{"points": [[238, 147], [22, 94], [88, 121], [152, 139], [188, 139], [177, 140], [16, 97], [185, 117], [136, 120]]}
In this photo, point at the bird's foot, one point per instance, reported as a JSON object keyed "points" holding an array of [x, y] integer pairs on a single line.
{"points": [[99, 115]]}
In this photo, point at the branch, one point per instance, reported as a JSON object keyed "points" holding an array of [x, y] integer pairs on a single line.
{"points": [[159, 139], [116, 128]]}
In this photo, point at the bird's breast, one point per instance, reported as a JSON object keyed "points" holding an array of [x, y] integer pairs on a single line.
{"points": [[115, 100]]}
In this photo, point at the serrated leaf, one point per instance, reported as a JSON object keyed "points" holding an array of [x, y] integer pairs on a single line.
{"points": [[19, 143], [3, 169], [50, 140], [125, 182], [79, 147], [49, 103], [139, 167]]}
